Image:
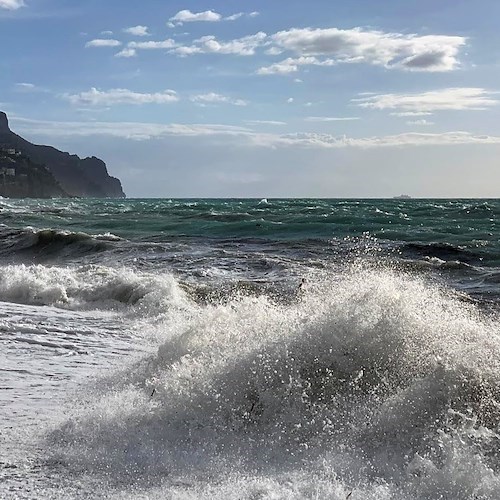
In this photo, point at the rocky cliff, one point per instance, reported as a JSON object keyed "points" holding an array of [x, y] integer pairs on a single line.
{"points": [[21, 178], [86, 177]]}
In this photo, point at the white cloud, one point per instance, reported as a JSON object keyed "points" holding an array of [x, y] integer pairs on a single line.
{"points": [[422, 122], [137, 30], [153, 45], [186, 16], [103, 42], [391, 50], [465, 98], [126, 53], [145, 131], [11, 4], [213, 98], [273, 51], [290, 100], [95, 97], [330, 118], [291, 65], [411, 113], [106, 33], [25, 86], [264, 122], [210, 45], [234, 16], [128, 130], [326, 141]]}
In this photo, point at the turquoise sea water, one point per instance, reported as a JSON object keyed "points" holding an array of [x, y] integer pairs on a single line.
{"points": [[249, 348]]}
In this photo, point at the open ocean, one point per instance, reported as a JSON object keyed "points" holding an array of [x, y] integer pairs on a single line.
{"points": [[250, 349]]}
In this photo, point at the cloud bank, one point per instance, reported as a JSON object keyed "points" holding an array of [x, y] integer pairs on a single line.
{"points": [[390, 50], [247, 137], [425, 103]]}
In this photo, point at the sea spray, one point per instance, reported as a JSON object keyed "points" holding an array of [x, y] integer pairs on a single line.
{"points": [[386, 382], [234, 382], [91, 287]]}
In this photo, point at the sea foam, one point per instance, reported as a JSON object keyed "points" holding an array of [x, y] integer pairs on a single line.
{"points": [[372, 384], [90, 287]]}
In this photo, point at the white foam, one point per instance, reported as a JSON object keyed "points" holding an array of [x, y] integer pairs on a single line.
{"points": [[374, 384], [90, 287]]}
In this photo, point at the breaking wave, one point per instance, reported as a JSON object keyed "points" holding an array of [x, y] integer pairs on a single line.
{"points": [[372, 384], [90, 287], [51, 243]]}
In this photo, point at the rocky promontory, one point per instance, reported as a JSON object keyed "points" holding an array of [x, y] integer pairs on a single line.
{"points": [[24, 166]]}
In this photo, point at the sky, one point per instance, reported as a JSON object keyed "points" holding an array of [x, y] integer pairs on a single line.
{"points": [[226, 98]]}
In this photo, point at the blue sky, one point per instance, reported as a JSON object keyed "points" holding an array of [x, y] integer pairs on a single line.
{"points": [[260, 98]]}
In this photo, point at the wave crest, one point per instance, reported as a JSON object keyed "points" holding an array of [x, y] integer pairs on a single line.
{"points": [[371, 368]]}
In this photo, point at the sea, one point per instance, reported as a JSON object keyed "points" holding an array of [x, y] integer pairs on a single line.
{"points": [[250, 349]]}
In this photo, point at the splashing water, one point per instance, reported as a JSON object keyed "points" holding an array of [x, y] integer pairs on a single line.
{"points": [[373, 383]]}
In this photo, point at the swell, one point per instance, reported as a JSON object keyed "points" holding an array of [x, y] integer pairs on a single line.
{"points": [[442, 251], [45, 244]]}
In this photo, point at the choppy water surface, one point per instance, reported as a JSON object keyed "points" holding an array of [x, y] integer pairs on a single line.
{"points": [[249, 349]]}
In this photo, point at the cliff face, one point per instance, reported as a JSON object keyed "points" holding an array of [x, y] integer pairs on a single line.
{"points": [[86, 177], [21, 178]]}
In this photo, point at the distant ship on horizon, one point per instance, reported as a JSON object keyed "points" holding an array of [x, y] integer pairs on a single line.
{"points": [[402, 197]]}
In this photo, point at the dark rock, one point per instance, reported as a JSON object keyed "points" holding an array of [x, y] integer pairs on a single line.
{"points": [[4, 122], [21, 178], [87, 178]]}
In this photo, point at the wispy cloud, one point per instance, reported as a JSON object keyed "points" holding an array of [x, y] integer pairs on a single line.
{"points": [[103, 42], [145, 131], [331, 118], [137, 30], [133, 47], [391, 50], [213, 98], [127, 52], [210, 45], [127, 130], [291, 65], [25, 87], [462, 98], [11, 4], [233, 17], [422, 122], [411, 113], [186, 16], [326, 141], [153, 45], [95, 97], [264, 122]]}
